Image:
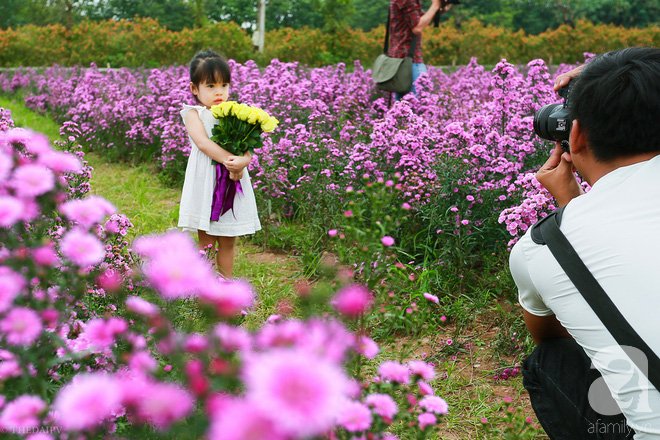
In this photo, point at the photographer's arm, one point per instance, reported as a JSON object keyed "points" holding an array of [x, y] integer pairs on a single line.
{"points": [[427, 17], [544, 327], [557, 175]]}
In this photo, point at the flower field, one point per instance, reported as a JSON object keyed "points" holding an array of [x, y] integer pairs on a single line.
{"points": [[394, 213]]}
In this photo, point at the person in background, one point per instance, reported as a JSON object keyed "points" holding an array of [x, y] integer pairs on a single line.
{"points": [[406, 19]]}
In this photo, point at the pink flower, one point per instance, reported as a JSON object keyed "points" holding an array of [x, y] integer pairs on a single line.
{"points": [[11, 211], [426, 419], [332, 232], [434, 404], [82, 248], [141, 306], [367, 347], [387, 240], [352, 301], [101, 333], [238, 419], [232, 338], [143, 362], [195, 343], [87, 401], [45, 256], [11, 284], [21, 326], [88, 211], [60, 162], [431, 297], [110, 280], [355, 416], [178, 275], [32, 180], [163, 404], [383, 405], [395, 372], [229, 297], [424, 388], [40, 436], [422, 369], [22, 413], [6, 164], [303, 391], [348, 213]]}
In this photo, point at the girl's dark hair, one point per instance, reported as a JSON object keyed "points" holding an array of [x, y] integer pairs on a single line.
{"points": [[209, 67]]}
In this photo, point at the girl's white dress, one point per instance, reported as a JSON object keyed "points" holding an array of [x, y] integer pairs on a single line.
{"points": [[198, 187]]}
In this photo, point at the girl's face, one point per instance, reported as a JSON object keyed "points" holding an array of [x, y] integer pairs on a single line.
{"points": [[210, 94]]}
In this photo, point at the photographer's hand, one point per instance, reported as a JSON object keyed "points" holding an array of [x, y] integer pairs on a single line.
{"points": [[557, 175], [564, 78]]}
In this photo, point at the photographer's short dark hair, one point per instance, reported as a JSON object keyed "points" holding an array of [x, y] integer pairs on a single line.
{"points": [[616, 100]]}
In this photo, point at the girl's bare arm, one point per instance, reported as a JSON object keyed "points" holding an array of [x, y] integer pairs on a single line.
{"points": [[198, 134]]}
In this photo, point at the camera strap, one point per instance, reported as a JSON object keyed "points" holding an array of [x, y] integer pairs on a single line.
{"points": [[386, 45], [546, 232]]}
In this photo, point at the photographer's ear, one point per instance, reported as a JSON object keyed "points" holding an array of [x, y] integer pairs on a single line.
{"points": [[577, 139]]}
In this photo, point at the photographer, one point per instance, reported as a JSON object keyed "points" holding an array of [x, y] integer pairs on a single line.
{"points": [[406, 19], [614, 106]]}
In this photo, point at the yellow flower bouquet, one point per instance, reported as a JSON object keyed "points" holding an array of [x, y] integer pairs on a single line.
{"points": [[239, 126], [238, 130]]}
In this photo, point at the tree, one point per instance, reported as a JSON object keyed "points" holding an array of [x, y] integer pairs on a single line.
{"points": [[9, 14], [369, 14]]}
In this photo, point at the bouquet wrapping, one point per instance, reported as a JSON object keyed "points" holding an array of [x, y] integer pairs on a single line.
{"points": [[238, 130]]}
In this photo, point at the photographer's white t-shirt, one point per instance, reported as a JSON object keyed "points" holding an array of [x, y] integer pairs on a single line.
{"points": [[615, 229]]}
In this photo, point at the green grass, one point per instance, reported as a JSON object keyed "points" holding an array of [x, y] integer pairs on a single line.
{"points": [[137, 192], [24, 117], [469, 389]]}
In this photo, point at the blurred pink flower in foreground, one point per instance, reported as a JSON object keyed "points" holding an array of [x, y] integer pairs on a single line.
{"points": [[22, 413], [21, 326], [302, 392], [82, 248], [87, 401], [352, 301]]}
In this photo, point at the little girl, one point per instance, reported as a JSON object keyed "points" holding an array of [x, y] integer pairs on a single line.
{"points": [[210, 76]]}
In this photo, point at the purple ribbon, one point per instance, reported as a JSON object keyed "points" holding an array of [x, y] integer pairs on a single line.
{"points": [[224, 193]]}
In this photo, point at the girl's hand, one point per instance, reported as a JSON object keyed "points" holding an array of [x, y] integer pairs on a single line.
{"points": [[236, 164], [236, 176]]}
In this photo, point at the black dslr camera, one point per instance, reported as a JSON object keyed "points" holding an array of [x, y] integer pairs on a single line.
{"points": [[443, 3], [551, 122]]}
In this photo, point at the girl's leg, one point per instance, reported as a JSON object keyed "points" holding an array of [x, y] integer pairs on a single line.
{"points": [[206, 240], [225, 256]]}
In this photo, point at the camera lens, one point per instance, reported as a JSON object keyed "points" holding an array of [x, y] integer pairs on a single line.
{"points": [[541, 119]]}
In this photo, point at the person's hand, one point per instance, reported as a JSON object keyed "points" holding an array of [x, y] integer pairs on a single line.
{"points": [[236, 176], [557, 175], [436, 3], [236, 164], [564, 78], [446, 8]]}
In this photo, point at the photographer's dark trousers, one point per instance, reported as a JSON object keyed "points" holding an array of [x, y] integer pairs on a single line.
{"points": [[558, 376]]}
